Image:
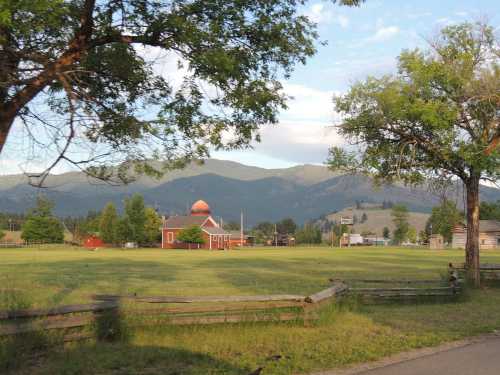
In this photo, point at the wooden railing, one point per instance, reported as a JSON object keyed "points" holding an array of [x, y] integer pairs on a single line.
{"points": [[489, 271], [176, 310]]}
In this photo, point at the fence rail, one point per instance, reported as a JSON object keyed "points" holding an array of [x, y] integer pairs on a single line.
{"points": [[488, 271], [179, 310]]}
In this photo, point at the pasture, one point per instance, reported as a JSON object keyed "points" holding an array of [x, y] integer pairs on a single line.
{"points": [[345, 334]]}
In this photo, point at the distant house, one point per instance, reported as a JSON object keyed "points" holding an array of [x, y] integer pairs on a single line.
{"points": [[281, 239], [373, 240], [215, 237], [355, 239], [235, 240], [489, 235]]}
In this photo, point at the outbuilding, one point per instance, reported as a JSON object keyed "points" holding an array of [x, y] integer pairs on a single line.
{"points": [[489, 235]]}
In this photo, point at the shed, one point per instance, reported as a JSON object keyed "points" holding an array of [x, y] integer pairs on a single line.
{"points": [[436, 242]]}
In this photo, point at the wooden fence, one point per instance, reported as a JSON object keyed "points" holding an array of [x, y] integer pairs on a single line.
{"points": [[232, 309], [489, 272], [176, 310], [405, 290]]}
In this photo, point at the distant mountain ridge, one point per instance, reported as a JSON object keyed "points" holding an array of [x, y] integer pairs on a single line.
{"points": [[303, 192]]}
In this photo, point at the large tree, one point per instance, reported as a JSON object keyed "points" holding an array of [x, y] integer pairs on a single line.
{"points": [[86, 69], [135, 210], [400, 216], [152, 226], [107, 223], [41, 225], [437, 118], [443, 218]]}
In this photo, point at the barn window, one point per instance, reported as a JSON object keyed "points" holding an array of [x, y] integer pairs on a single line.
{"points": [[170, 237]]}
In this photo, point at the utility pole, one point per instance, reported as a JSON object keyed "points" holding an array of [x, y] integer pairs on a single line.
{"points": [[275, 236], [241, 229]]}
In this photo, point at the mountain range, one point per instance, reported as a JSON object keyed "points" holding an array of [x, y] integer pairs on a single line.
{"points": [[303, 192]]}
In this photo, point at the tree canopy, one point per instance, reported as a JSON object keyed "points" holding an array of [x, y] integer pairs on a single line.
{"points": [[443, 218], [489, 210], [41, 225], [191, 235], [92, 66], [400, 215], [437, 118], [107, 223]]}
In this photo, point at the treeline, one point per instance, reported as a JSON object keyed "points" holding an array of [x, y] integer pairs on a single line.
{"points": [[139, 224]]}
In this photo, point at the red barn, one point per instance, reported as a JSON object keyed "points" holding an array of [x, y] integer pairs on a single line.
{"points": [[215, 237], [93, 241]]}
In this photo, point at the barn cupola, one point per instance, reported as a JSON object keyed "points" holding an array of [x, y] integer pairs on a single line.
{"points": [[200, 208]]}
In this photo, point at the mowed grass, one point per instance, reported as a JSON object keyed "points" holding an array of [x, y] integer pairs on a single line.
{"points": [[345, 334]]}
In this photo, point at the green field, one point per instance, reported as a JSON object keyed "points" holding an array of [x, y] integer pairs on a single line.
{"points": [[344, 335]]}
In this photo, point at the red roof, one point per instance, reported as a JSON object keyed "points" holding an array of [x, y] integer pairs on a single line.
{"points": [[178, 222]]}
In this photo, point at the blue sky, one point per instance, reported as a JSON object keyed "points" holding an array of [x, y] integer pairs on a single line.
{"points": [[360, 42]]}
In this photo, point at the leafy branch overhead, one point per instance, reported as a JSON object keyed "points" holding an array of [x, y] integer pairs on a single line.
{"points": [[85, 69], [437, 116]]}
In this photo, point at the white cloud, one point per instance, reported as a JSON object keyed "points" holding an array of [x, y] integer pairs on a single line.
{"points": [[462, 14], [298, 141], [384, 33], [319, 13], [343, 21], [308, 103]]}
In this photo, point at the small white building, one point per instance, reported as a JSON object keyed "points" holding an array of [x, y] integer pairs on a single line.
{"points": [[355, 239]]}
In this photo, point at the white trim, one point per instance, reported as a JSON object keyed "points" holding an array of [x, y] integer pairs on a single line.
{"points": [[170, 237], [212, 220], [210, 240]]}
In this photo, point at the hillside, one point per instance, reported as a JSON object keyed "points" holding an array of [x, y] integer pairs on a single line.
{"points": [[378, 218], [303, 193]]}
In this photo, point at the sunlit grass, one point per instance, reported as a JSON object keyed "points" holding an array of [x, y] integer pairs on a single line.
{"points": [[344, 335]]}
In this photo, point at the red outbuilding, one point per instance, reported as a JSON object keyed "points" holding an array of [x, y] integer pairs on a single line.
{"points": [[215, 237], [93, 241]]}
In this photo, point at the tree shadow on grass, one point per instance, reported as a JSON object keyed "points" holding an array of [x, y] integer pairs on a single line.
{"points": [[111, 351]]}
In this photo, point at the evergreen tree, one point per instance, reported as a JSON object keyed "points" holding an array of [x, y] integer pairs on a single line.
{"points": [[107, 223], [386, 233], [124, 230], [152, 226], [41, 225], [399, 215], [136, 213], [364, 217]]}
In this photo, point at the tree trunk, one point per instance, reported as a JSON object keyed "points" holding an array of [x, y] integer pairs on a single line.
{"points": [[472, 245], [6, 121]]}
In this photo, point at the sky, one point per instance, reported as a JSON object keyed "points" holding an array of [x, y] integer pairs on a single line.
{"points": [[360, 42]]}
